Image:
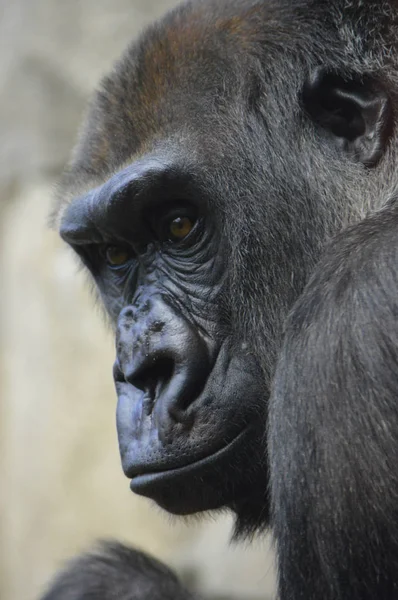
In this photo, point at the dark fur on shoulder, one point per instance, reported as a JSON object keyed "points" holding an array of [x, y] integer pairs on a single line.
{"points": [[115, 572], [334, 423]]}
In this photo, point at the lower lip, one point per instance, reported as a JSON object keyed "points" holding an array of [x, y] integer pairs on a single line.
{"points": [[140, 482]]}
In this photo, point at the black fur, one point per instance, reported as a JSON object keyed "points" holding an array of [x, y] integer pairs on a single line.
{"points": [[274, 122], [334, 423], [116, 572]]}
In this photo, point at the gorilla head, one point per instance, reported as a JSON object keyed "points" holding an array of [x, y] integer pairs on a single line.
{"points": [[226, 146]]}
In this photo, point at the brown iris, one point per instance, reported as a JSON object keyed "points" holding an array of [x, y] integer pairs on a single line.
{"points": [[116, 256], [180, 227]]}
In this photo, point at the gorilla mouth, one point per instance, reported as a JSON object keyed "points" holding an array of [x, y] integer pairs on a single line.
{"points": [[148, 482]]}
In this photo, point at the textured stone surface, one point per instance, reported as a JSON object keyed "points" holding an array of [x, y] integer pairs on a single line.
{"points": [[61, 483]]}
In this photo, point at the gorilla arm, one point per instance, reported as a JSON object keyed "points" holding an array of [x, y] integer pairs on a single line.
{"points": [[334, 423]]}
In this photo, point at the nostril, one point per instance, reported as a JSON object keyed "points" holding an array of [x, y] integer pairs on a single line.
{"points": [[154, 372], [118, 374]]}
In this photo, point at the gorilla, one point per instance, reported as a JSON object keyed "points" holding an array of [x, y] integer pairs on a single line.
{"points": [[114, 572], [233, 195]]}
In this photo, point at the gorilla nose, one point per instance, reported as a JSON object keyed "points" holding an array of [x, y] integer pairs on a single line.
{"points": [[162, 354]]}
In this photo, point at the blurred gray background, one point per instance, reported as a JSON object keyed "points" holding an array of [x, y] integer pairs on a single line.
{"points": [[61, 485]]}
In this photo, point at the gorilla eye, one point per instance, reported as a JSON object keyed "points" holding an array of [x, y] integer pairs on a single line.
{"points": [[180, 227], [117, 256]]}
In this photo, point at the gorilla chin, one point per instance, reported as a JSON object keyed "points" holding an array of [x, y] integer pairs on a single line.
{"points": [[196, 487]]}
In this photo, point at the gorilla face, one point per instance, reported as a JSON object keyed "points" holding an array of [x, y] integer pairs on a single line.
{"points": [[216, 160], [191, 396]]}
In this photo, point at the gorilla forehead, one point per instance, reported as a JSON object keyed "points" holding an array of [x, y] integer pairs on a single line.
{"points": [[199, 69], [198, 48], [200, 65]]}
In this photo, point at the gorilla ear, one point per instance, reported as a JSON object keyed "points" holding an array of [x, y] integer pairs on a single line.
{"points": [[355, 113]]}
